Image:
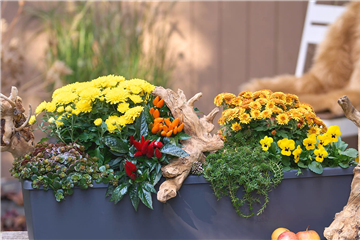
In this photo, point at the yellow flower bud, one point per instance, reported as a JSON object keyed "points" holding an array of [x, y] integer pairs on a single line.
{"points": [[32, 120], [60, 109], [98, 122], [51, 120], [68, 109]]}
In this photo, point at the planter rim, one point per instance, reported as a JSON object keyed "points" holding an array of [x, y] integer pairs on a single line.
{"points": [[196, 179]]}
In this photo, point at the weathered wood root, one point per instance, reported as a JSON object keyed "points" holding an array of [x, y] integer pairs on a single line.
{"points": [[346, 225], [201, 140]]}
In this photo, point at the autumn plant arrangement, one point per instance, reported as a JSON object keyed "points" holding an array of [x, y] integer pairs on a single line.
{"points": [[108, 130], [266, 133]]}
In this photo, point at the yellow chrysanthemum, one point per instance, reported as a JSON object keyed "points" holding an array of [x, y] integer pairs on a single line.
{"points": [[32, 120], [230, 114], [117, 95], [255, 114], [98, 122], [245, 118], [65, 97], [228, 97], [236, 127], [68, 109], [236, 101], [107, 81], [111, 123], [266, 114], [282, 119], [76, 111], [262, 101], [255, 105], [270, 105], [123, 107], [277, 110], [297, 153], [51, 107], [84, 106], [320, 154], [144, 85], [295, 114], [133, 113], [219, 99], [90, 94], [334, 132], [307, 107], [60, 109], [266, 143], [245, 94], [314, 130], [279, 95], [136, 99], [286, 145], [41, 107], [310, 142]]}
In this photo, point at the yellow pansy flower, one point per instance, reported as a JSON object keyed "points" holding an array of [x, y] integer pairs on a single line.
{"points": [[334, 132], [323, 140], [266, 143], [286, 145], [320, 153], [297, 153], [310, 142]]}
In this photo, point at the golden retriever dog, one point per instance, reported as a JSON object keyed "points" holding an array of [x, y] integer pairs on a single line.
{"points": [[335, 71]]}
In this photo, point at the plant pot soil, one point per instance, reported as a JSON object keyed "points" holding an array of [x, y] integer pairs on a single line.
{"points": [[299, 201]]}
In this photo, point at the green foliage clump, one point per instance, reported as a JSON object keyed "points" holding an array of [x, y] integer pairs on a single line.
{"points": [[246, 166], [61, 167]]}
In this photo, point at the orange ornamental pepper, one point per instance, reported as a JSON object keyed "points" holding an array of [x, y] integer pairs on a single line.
{"points": [[152, 111], [175, 123], [168, 134], [156, 100], [175, 131], [160, 103], [163, 133], [167, 121], [158, 120], [155, 129], [165, 128], [156, 113], [180, 128]]}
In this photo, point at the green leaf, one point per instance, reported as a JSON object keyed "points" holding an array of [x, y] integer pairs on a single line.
{"points": [[109, 190], [341, 144], [173, 151], [343, 165], [282, 133], [316, 167], [287, 168], [182, 136], [135, 200], [145, 197], [119, 193], [155, 177], [116, 144], [147, 114], [272, 148], [351, 152], [115, 161], [144, 130], [102, 169], [142, 177], [302, 165], [43, 140], [285, 161], [56, 185], [148, 187], [261, 128]]}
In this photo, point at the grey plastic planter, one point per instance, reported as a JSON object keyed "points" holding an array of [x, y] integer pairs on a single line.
{"points": [[299, 201]]}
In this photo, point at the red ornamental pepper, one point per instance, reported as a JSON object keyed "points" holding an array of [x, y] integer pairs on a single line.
{"points": [[144, 148], [132, 140], [158, 144], [130, 169], [158, 153], [150, 151]]}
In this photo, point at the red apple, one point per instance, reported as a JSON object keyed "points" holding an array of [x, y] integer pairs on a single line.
{"points": [[276, 233], [288, 235], [308, 235]]}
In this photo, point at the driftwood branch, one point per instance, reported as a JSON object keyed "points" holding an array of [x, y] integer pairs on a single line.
{"points": [[16, 133], [346, 225], [201, 140]]}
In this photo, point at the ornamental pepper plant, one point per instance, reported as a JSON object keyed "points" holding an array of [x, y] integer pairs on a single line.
{"points": [[266, 133], [111, 119]]}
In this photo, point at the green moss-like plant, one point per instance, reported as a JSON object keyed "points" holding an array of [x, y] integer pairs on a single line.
{"points": [[239, 167]]}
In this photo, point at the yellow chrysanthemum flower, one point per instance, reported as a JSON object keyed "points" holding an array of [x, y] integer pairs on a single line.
{"points": [[310, 142], [307, 107], [266, 143], [41, 107], [76, 111], [255, 105], [84, 106], [65, 97], [314, 130], [282, 119], [32, 120], [236, 101], [117, 95], [245, 94], [60, 109], [270, 105], [297, 153], [136, 99], [123, 107], [146, 86], [68, 109], [245, 118], [334, 132], [255, 114], [90, 94], [295, 114], [266, 114], [133, 113], [98, 122], [51, 107], [320, 153], [279, 95], [236, 127], [286, 145], [219, 99], [277, 110]]}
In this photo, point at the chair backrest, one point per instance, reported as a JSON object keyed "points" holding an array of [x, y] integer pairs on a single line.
{"points": [[318, 17]]}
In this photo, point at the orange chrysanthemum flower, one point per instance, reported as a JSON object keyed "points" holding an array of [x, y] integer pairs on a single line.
{"points": [[245, 118], [255, 114], [255, 105], [282, 119], [266, 114]]}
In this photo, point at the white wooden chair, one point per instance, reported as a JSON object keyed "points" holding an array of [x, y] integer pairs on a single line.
{"points": [[318, 17]]}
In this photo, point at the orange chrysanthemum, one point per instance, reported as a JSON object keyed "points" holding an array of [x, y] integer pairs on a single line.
{"points": [[255, 105], [266, 114], [282, 119], [245, 118], [255, 114]]}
